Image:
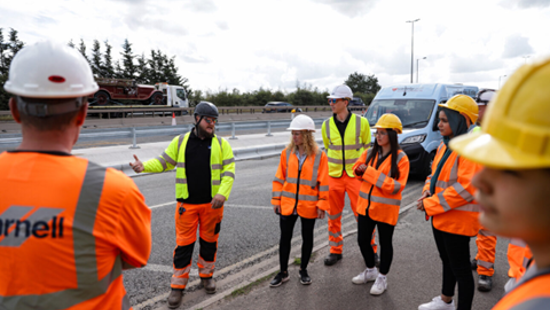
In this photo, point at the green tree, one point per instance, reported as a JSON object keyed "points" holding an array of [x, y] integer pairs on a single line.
{"points": [[7, 52], [142, 70], [97, 64], [129, 70], [360, 83], [108, 69], [82, 49]]}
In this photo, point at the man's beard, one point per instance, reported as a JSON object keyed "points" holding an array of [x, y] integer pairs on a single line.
{"points": [[203, 133]]}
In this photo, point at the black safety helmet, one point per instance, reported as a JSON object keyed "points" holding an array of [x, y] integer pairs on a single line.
{"points": [[205, 108]]}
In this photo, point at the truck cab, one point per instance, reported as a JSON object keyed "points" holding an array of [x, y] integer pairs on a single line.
{"points": [[174, 95], [417, 107]]}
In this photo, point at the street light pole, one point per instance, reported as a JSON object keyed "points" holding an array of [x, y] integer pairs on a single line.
{"points": [[412, 45], [525, 59], [500, 77], [417, 59]]}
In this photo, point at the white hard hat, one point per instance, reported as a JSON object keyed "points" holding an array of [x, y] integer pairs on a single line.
{"points": [[341, 91], [484, 96], [302, 122], [50, 70]]}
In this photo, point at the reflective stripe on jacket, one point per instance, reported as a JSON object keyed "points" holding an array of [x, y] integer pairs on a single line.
{"points": [[313, 189], [64, 246], [383, 192], [452, 206], [356, 140], [222, 165], [531, 293]]}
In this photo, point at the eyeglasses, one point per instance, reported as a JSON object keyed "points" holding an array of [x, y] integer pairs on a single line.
{"points": [[332, 100], [380, 133], [210, 121]]}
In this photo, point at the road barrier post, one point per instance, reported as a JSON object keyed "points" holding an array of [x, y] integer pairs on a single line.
{"points": [[134, 146], [269, 129], [233, 131]]}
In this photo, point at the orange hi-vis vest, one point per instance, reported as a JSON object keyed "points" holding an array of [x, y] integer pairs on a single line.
{"points": [[382, 191], [67, 229], [309, 186], [531, 293], [452, 206]]}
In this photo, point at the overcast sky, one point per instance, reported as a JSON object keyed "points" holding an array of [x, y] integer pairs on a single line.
{"points": [[245, 44]]}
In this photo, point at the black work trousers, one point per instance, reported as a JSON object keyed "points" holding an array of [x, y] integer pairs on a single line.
{"points": [[365, 228], [287, 227], [454, 251]]}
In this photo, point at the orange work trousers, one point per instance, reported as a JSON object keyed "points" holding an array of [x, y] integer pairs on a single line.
{"points": [[486, 248], [519, 256], [337, 191], [188, 217]]}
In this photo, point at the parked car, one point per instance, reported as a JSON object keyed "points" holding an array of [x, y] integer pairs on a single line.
{"points": [[357, 101], [279, 106]]}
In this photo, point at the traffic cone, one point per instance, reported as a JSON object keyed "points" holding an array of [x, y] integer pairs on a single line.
{"points": [[173, 119]]}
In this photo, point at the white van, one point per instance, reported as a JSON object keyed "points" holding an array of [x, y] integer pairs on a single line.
{"points": [[417, 107]]}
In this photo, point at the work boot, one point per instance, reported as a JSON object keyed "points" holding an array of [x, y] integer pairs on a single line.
{"points": [[174, 299], [376, 260], [484, 283], [209, 285], [332, 259], [474, 264]]}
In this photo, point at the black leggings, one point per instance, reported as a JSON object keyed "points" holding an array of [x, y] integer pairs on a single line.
{"points": [[287, 227], [454, 251], [365, 228]]}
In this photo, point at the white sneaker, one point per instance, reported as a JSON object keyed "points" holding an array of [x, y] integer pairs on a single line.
{"points": [[365, 276], [437, 304], [379, 286]]}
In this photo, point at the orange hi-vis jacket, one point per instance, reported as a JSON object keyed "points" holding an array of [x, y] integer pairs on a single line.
{"points": [[67, 229], [382, 191], [452, 206], [519, 257], [310, 185], [531, 293]]}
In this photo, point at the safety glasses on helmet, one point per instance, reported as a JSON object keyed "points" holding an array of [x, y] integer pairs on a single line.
{"points": [[334, 100]]}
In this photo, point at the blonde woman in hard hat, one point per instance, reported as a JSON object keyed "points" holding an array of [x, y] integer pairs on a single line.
{"points": [[448, 198], [300, 190], [513, 187], [383, 170]]}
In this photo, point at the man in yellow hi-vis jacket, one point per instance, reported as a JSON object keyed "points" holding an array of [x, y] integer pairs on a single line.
{"points": [[345, 136], [204, 177]]}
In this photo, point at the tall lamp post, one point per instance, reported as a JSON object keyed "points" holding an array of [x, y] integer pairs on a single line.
{"points": [[500, 77], [525, 59], [417, 59], [412, 45]]}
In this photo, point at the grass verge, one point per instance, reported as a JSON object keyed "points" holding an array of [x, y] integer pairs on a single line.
{"points": [[247, 288]]}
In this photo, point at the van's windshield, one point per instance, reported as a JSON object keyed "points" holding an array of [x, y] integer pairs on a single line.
{"points": [[414, 113]]}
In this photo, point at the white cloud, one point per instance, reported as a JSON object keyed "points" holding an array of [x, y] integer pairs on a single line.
{"points": [[247, 44]]}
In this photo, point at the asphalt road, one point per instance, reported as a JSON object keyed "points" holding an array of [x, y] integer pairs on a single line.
{"points": [[249, 227]]}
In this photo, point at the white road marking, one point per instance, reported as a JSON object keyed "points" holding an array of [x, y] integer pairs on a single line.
{"points": [[168, 269], [163, 205]]}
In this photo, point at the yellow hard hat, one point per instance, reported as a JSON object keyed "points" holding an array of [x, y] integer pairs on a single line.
{"points": [[389, 121], [463, 104], [516, 128]]}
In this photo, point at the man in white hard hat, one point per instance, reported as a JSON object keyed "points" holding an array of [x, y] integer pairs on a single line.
{"points": [[345, 136], [486, 241], [69, 226]]}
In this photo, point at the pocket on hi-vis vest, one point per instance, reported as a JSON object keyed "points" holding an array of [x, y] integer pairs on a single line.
{"points": [[42, 223]]}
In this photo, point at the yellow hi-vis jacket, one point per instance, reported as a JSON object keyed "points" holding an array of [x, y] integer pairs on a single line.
{"points": [[356, 140], [222, 165]]}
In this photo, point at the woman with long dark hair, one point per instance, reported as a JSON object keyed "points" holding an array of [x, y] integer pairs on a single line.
{"points": [[384, 170], [448, 197]]}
